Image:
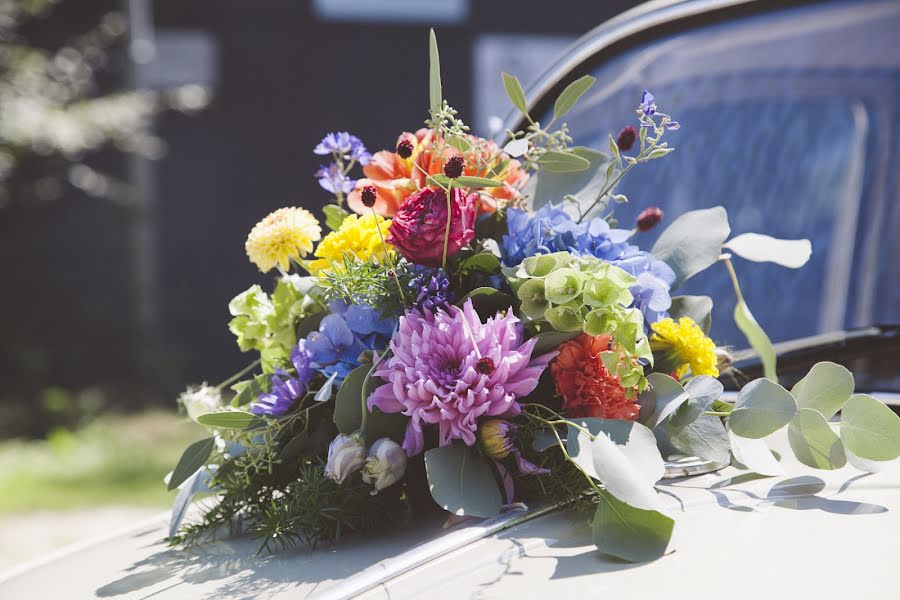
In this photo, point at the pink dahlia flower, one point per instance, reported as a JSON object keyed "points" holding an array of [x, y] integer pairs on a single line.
{"points": [[449, 369], [419, 227]]}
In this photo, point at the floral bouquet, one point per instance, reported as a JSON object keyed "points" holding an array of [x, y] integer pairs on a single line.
{"points": [[478, 326]]}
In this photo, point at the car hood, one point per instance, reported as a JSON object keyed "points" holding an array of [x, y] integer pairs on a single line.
{"points": [[829, 533]]}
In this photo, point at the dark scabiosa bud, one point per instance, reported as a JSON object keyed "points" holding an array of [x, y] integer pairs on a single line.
{"points": [[454, 167], [405, 148], [648, 218], [626, 138], [369, 195], [485, 365]]}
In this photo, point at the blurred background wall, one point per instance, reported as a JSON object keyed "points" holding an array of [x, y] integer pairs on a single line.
{"points": [[118, 256]]}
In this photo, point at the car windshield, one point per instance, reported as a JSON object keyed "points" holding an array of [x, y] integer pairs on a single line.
{"points": [[790, 121]]}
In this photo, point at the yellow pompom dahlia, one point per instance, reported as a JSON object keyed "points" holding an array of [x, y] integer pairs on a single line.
{"points": [[684, 347], [287, 233], [357, 236]]}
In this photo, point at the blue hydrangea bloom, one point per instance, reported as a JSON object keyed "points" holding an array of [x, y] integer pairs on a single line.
{"points": [[286, 390], [343, 335], [345, 145], [332, 179], [654, 278]]}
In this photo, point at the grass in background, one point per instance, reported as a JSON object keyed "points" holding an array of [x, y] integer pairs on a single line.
{"points": [[115, 460]]}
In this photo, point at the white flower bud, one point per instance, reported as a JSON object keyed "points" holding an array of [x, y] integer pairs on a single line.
{"points": [[385, 465], [346, 455], [199, 400]]}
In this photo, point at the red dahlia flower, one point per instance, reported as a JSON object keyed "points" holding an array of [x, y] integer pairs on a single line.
{"points": [[587, 388]]}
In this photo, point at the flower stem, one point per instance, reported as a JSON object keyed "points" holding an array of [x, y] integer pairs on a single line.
{"points": [[365, 409], [447, 231], [387, 258], [239, 374]]}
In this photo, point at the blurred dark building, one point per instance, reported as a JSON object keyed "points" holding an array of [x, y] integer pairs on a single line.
{"points": [[85, 303]]}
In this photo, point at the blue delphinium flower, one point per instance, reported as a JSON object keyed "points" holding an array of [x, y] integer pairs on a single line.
{"points": [[648, 106], [332, 178], [344, 335], [344, 145], [431, 290], [286, 390]]}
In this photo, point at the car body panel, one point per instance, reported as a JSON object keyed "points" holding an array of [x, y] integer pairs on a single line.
{"points": [[747, 537]]}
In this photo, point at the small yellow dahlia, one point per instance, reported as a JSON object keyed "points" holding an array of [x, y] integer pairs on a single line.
{"points": [[285, 234], [684, 347], [357, 236]]}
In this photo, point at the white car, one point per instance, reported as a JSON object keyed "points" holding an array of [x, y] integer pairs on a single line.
{"points": [[807, 95]]}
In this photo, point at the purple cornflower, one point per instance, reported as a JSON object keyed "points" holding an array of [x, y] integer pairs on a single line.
{"points": [[432, 290], [345, 145], [286, 389], [434, 377], [332, 178]]}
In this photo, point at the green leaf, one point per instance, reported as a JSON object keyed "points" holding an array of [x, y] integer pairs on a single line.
{"points": [[514, 92], [660, 400], [869, 429], [571, 94], [755, 455], [544, 440], [461, 481], [697, 308], [548, 341], [825, 388], [439, 180], [460, 143], [348, 409], [434, 74], [757, 338], [762, 248], [485, 262], [248, 391], [477, 182], [630, 533], [762, 408], [193, 458], [583, 186], [564, 318], [705, 436], [623, 456], [659, 153], [693, 242], [229, 419], [813, 441], [534, 303], [516, 148], [563, 162], [334, 216]]}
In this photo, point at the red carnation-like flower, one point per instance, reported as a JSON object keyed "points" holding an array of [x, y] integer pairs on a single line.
{"points": [[420, 225], [587, 388]]}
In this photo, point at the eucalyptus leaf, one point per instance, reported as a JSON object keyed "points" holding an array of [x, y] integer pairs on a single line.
{"points": [[703, 436], [324, 393], [230, 419], [813, 441], [435, 94], [762, 248], [762, 408], [556, 161], [869, 429], [348, 407], [477, 182], [697, 308], [544, 440], [825, 388], [249, 391], [461, 481], [334, 216], [192, 459], [516, 148], [571, 94], [755, 455], [693, 242], [630, 533], [548, 341], [460, 143], [660, 399], [485, 262], [584, 186], [869, 466], [757, 338], [514, 92]]}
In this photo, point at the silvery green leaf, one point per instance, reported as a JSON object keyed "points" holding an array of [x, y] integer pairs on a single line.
{"points": [[348, 407], [461, 481], [869, 429], [571, 94], [659, 152], [563, 162], [755, 455], [460, 143], [757, 338], [630, 533], [584, 186], [434, 74], [229, 419], [825, 388], [549, 341], [516, 148], [763, 248], [869, 466], [477, 182], [544, 440], [813, 441], [193, 458], [697, 308], [196, 483], [702, 435], [324, 393], [660, 399], [514, 92], [334, 216], [693, 242], [762, 408]]}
